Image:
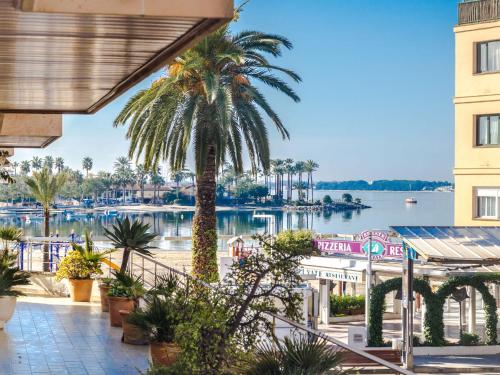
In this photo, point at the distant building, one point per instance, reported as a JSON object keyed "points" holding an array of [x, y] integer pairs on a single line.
{"points": [[477, 114]]}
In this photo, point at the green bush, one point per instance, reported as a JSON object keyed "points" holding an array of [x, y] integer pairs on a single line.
{"points": [[468, 339], [346, 305]]}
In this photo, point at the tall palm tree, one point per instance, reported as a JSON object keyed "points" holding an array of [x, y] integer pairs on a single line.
{"points": [[87, 164], [15, 165], [156, 180], [299, 168], [48, 162], [177, 177], [289, 169], [310, 166], [59, 164], [25, 167], [141, 176], [44, 187], [208, 99], [36, 163], [124, 175]]}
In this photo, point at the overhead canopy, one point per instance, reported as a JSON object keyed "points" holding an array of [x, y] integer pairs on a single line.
{"points": [[74, 56], [453, 245]]}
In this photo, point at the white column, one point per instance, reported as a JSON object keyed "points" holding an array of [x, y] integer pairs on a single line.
{"points": [[324, 302], [353, 289], [396, 304], [423, 309], [472, 310]]}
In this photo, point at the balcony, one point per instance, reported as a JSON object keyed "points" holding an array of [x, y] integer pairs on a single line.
{"points": [[475, 11]]}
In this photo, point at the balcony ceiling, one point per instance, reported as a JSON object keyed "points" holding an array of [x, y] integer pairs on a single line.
{"points": [[74, 56]]}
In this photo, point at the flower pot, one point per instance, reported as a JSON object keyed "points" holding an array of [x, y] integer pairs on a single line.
{"points": [[103, 289], [80, 290], [7, 307], [163, 353], [115, 305], [132, 334]]}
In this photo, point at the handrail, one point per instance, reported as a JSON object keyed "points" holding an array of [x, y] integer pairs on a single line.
{"points": [[478, 11], [292, 323]]}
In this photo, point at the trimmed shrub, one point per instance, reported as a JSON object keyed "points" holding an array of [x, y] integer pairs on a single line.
{"points": [[346, 305]]}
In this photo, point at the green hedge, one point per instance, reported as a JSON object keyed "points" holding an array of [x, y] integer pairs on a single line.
{"points": [[346, 305]]}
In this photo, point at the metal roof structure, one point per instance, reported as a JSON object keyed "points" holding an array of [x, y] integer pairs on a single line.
{"points": [[453, 245], [75, 56]]}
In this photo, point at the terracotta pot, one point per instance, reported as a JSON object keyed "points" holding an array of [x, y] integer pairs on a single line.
{"points": [[132, 334], [163, 353], [103, 289], [80, 290], [115, 305], [7, 307]]}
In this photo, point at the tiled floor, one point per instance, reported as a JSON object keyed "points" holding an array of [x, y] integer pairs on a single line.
{"points": [[54, 336]]}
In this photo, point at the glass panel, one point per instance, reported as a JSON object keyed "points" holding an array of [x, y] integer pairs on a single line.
{"points": [[494, 130], [482, 63], [494, 56], [486, 206], [482, 131]]}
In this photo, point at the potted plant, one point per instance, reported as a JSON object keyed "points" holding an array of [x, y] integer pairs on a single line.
{"points": [[79, 266], [160, 317], [104, 285], [10, 276], [123, 294]]}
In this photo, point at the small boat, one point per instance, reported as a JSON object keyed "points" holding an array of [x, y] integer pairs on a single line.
{"points": [[410, 200]]}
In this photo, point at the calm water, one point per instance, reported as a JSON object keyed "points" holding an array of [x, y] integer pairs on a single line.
{"points": [[388, 208]]}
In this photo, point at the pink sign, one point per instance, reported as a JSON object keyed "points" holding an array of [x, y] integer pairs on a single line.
{"points": [[387, 249]]}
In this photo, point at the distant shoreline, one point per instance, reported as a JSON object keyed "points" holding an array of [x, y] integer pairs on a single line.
{"points": [[388, 191]]}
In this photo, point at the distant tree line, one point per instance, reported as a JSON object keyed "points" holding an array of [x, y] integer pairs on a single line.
{"points": [[387, 185]]}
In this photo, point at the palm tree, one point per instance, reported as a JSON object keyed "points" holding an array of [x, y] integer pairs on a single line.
{"points": [[87, 164], [124, 175], [156, 181], [59, 164], [15, 165], [300, 168], [289, 169], [36, 163], [141, 176], [208, 99], [310, 166], [130, 237], [177, 177], [48, 162], [44, 187], [25, 167]]}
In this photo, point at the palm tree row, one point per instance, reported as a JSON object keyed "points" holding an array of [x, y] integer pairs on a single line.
{"points": [[290, 169]]}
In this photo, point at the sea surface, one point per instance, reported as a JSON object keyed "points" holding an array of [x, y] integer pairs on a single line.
{"points": [[387, 208]]}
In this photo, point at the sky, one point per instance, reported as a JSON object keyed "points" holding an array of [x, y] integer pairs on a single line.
{"points": [[376, 97]]}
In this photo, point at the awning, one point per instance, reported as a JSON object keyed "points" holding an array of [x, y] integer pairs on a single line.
{"points": [[453, 245], [75, 56]]}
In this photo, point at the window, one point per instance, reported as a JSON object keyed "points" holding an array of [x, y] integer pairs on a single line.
{"points": [[488, 57], [487, 201], [488, 130]]}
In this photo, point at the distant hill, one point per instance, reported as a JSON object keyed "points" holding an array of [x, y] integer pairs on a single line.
{"points": [[387, 185]]}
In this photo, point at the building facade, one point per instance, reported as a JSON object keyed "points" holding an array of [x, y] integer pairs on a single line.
{"points": [[477, 114]]}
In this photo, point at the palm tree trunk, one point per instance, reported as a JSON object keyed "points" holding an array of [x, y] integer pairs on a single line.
{"points": [[126, 256], [312, 191], [46, 255], [142, 193], [204, 223], [307, 188]]}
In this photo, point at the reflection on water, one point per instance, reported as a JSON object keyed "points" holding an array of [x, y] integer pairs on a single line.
{"points": [[388, 208]]}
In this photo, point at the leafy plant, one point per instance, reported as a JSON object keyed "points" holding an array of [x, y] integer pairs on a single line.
{"points": [[83, 262], [125, 285], [163, 310], [468, 339], [10, 275], [298, 355], [8, 235], [130, 237]]}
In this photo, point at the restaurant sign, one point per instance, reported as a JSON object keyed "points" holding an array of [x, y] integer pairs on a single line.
{"points": [[332, 274], [381, 246]]}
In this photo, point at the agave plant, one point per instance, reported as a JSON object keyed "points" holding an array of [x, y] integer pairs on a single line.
{"points": [[299, 355], [130, 237], [10, 275], [125, 285], [88, 251]]}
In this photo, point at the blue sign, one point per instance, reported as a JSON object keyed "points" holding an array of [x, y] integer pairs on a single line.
{"points": [[377, 247]]}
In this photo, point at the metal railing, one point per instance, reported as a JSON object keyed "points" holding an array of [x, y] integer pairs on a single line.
{"points": [[478, 11], [150, 269]]}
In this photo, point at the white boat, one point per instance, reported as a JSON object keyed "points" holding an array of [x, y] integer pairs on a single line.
{"points": [[410, 200]]}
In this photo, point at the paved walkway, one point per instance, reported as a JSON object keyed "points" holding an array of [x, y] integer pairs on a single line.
{"points": [[54, 336]]}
